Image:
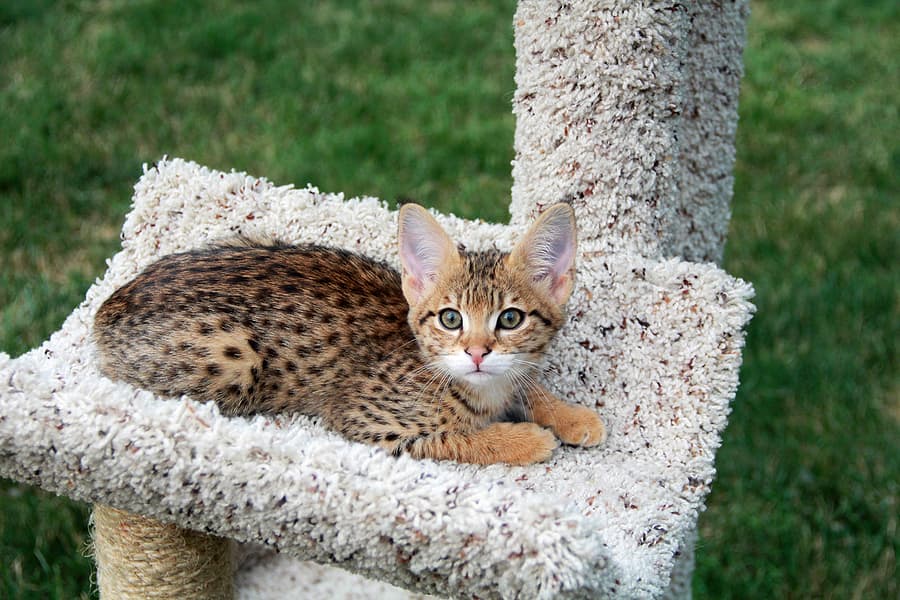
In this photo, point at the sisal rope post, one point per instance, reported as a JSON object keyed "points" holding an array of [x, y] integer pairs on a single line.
{"points": [[139, 558]]}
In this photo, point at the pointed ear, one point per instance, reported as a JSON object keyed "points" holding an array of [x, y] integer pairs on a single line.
{"points": [[547, 252], [425, 251]]}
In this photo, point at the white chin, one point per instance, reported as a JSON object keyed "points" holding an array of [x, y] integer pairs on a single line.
{"points": [[479, 377]]}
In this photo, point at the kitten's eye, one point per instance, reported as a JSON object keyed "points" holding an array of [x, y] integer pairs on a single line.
{"points": [[510, 318], [451, 319]]}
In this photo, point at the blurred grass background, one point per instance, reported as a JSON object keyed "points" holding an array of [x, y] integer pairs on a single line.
{"points": [[412, 99]]}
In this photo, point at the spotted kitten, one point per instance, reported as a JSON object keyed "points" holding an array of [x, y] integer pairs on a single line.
{"points": [[425, 362]]}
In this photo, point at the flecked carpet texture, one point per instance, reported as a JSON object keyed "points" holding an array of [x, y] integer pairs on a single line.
{"points": [[628, 111], [654, 346]]}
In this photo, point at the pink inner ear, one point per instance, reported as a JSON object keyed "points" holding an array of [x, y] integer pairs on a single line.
{"points": [[423, 251], [549, 251], [560, 289], [411, 274], [414, 284], [418, 257], [554, 254]]}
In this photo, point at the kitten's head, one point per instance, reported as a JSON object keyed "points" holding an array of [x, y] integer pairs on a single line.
{"points": [[486, 318]]}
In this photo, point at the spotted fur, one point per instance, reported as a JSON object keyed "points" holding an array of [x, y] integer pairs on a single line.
{"points": [[268, 328]]}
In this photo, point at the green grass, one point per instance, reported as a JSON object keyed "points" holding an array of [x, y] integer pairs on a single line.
{"points": [[806, 500], [412, 99]]}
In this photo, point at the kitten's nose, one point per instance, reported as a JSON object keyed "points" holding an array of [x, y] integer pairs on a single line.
{"points": [[477, 353]]}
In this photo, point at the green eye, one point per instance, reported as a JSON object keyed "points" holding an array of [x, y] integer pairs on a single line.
{"points": [[510, 318], [451, 319]]}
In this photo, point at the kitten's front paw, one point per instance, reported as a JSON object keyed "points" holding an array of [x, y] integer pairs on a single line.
{"points": [[525, 443], [579, 426]]}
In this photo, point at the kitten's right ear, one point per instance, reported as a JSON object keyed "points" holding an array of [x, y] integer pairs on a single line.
{"points": [[425, 251], [547, 252]]}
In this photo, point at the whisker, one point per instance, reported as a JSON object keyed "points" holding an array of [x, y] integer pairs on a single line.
{"points": [[538, 393], [439, 374], [435, 373], [522, 382], [401, 346], [426, 367], [444, 384], [540, 366]]}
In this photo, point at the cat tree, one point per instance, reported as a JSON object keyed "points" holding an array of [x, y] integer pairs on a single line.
{"points": [[626, 109]]}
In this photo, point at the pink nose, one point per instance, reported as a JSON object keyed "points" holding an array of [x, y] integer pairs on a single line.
{"points": [[477, 353]]}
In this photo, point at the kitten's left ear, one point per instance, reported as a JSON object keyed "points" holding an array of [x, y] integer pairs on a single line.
{"points": [[425, 252], [547, 252]]}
